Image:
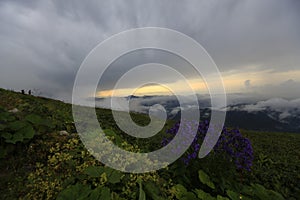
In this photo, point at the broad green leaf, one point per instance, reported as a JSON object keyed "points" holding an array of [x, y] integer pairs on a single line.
{"points": [[27, 132], [105, 194], [109, 132], [221, 198], [4, 116], [34, 119], [275, 195], [48, 123], [37, 121], [17, 137], [96, 194], [17, 125], [232, 195], [77, 192], [6, 135], [180, 191], [114, 177], [247, 190], [203, 195], [247, 197], [142, 195], [116, 196], [204, 178], [153, 191], [94, 171], [189, 196], [23, 131], [10, 141], [260, 191]]}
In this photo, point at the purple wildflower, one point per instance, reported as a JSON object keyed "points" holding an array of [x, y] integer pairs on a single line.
{"points": [[232, 143]]}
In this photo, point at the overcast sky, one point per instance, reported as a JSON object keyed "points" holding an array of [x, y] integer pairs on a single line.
{"points": [[255, 44]]}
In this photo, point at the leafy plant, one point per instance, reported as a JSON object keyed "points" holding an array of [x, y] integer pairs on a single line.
{"points": [[15, 128], [80, 191], [142, 194], [204, 178]]}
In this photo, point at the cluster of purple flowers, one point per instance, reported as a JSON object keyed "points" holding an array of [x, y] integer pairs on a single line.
{"points": [[237, 148]]}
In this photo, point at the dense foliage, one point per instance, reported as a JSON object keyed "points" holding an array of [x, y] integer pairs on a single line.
{"points": [[231, 144], [39, 161]]}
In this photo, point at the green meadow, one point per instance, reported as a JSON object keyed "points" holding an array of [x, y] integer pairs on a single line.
{"points": [[42, 157]]}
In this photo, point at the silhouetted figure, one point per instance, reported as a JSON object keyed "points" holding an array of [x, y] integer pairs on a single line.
{"points": [[23, 91], [29, 92]]}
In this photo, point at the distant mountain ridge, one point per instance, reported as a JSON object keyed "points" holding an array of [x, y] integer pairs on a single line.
{"points": [[274, 114]]}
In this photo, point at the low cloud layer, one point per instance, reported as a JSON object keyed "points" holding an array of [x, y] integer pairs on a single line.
{"points": [[288, 89], [277, 108], [283, 108]]}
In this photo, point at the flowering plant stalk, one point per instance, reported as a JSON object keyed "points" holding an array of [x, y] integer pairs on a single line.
{"points": [[232, 143]]}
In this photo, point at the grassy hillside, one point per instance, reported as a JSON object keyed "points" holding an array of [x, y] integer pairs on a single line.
{"points": [[42, 157], [276, 160]]}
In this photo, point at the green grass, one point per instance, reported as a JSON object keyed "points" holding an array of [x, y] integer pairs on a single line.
{"points": [[50, 165], [277, 160]]}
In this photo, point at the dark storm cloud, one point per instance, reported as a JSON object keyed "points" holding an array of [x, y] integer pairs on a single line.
{"points": [[140, 57], [44, 42]]}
